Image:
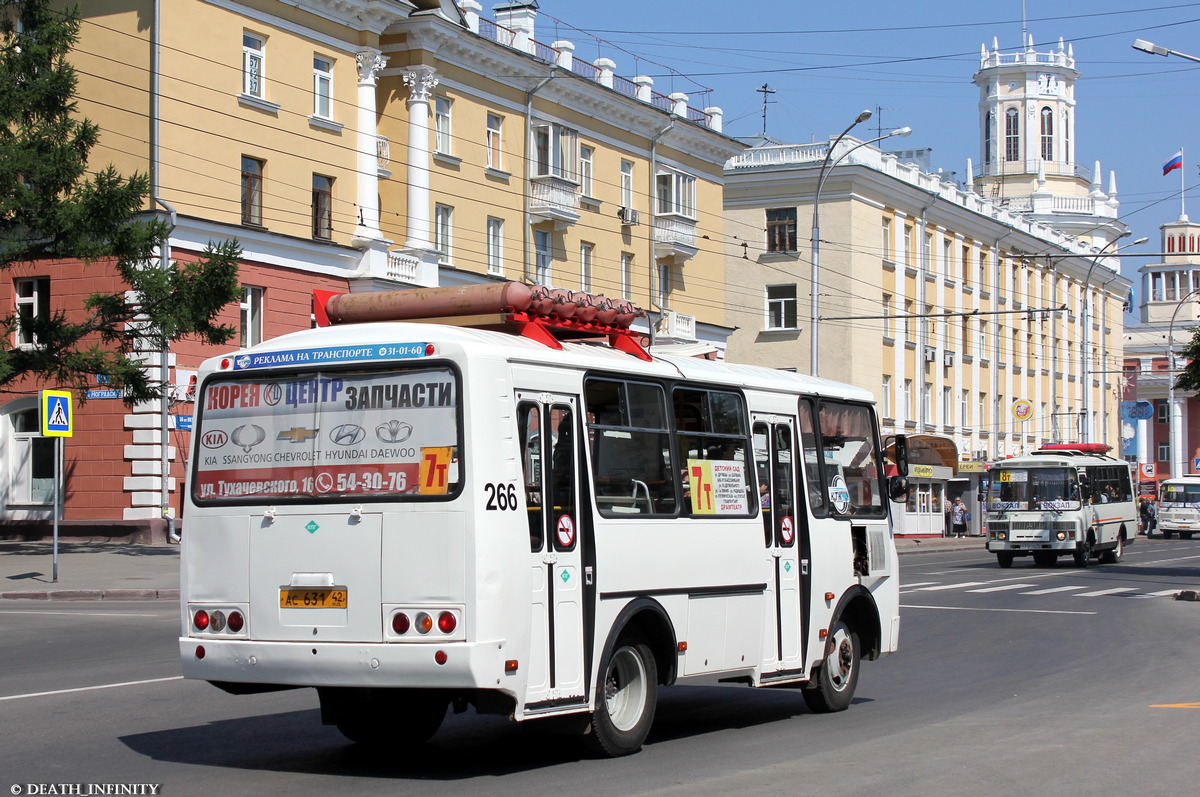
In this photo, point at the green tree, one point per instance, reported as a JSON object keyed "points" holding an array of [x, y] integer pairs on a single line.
{"points": [[1189, 377], [52, 208]]}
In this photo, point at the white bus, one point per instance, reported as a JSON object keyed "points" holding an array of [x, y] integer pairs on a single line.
{"points": [[411, 516], [1179, 507], [1064, 499]]}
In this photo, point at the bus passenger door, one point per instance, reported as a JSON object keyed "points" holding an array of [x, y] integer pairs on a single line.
{"points": [[775, 458], [549, 428]]}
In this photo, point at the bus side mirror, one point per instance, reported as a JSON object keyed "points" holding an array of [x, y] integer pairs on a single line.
{"points": [[1084, 491], [898, 489], [900, 452]]}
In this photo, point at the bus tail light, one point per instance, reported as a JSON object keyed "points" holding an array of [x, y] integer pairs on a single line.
{"points": [[401, 623], [447, 622], [200, 620], [236, 621], [224, 621], [424, 623], [409, 623]]}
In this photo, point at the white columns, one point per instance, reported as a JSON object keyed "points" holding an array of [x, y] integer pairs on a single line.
{"points": [[369, 66], [421, 81]]}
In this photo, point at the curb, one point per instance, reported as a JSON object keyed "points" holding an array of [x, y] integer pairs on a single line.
{"points": [[93, 595]]}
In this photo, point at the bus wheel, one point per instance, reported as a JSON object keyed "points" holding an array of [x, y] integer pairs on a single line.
{"points": [[1004, 559], [1166, 534], [837, 676], [1185, 535], [627, 699], [1082, 555], [1042, 559], [1113, 555], [378, 717]]}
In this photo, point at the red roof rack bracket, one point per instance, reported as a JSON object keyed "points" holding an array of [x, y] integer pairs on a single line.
{"points": [[320, 300]]}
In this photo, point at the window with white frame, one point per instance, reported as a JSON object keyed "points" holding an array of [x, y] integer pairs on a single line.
{"points": [[495, 141], [982, 351], [31, 460], [782, 307], [251, 316], [322, 87], [927, 402], [1164, 452], [543, 257], [964, 409], [947, 406], [886, 396], [253, 171], [254, 58], [664, 283], [906, 403], [887, 237], [908, 243], [554, 148], [947, 256], [33, 304], [495, 245], [443, 133], [587, 252], [626, 274], [676, 193], [982, 419], [888, 332], [927, 253], [908, 319], [1161, 411], [322, 207], [586, 164], [443, 219], [626, 184]]}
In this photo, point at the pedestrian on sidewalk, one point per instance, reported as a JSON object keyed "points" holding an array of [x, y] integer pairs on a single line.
{"points": [[960, 517]]}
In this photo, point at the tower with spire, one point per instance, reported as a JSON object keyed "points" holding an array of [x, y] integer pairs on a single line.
{"points": [[1027, 143]]}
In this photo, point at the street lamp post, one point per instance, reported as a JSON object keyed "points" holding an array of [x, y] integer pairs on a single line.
{"points": [[1175, 445], [1086, 420], [1154, 49], [815, 242]]}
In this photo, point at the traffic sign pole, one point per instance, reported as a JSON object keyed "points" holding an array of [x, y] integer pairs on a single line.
{"points": [[58, 421]]}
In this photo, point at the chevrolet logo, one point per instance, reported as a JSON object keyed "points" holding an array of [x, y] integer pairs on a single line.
{"points": [[297, 434]]}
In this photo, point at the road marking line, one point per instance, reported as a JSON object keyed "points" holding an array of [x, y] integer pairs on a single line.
{"points": [[977, 609], [1100, 592], [1002, 588], [953, 586], [1177, 705], [1050, 590], [908, 587], [92, 688]]}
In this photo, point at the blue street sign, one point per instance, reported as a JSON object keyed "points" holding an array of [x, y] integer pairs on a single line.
{"points": [[57, 420]]}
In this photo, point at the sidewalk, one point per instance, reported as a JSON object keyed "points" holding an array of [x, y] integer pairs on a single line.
{"points": [[128, 571], [89, 571]]}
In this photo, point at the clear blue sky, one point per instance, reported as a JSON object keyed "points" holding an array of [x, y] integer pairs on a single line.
{"points": [[828, 61]]}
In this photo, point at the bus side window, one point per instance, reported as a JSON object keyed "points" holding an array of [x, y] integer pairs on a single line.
{"points": [[631, 457], [529, 428], [812, 462]]}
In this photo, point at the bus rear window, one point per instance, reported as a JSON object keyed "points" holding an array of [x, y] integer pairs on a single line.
{"points": [[327, 436]]}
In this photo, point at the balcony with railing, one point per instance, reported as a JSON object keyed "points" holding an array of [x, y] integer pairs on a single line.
{"points": [[674, 236], [553, 198]]}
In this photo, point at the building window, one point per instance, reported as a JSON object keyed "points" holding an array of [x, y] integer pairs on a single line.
{"points": [[947, 406], [781, 229], [1012, 135], [1047, 134], [495, 245], [554, 151], [252, 191], [626, 184], [982, 420], [443, 216], [586, 253], [626, 274], [885, 408], [947, 257], [983, 267], [1164, 452], [664, 283], [908, 242], [1161, 411], [322, 87], [927, 403], [964, 409], [888, 332], [983, 343], [965, 257], [987, 138], [495, 141], [781, 307], [543, 257], [676, 193], [908, 319], [252, 316], [887, 238], [322, 207], [586, 164], [927, 253], [253, 64], [905, 408], [33, 304], [443, 142], [31, 467]]}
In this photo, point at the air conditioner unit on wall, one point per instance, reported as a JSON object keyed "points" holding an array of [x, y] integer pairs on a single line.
{"points": [[628, 216], [947, 358], [930, 354]]}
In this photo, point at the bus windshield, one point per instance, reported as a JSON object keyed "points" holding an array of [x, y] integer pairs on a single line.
{"points": [[1179, 494], [1033, 488], [328, 436]]}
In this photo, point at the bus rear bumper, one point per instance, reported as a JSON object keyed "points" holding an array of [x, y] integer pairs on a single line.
{"points": [[478, 665]]}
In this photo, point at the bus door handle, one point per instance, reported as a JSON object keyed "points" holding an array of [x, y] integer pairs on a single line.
{"points": [[804, 567], [588, 578], [549, 558]]}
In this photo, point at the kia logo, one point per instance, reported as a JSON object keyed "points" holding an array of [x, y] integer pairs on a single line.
{"points": [[214, 439], [348, 434]]}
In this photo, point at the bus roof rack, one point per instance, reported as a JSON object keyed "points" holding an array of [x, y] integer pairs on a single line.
{"points": [[548, 315], [1075, 449]]}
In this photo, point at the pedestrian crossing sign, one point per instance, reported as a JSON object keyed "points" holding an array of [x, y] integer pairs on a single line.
{"points": [[57, 419]]}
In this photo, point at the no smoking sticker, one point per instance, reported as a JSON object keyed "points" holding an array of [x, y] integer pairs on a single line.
{"points": [[786, 533], [566, 531]]}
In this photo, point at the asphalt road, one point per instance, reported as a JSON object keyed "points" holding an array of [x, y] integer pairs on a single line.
{"points": [[1019, 681]]}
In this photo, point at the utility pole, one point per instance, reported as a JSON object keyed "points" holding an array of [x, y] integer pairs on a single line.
{"points": [[765, 90]]}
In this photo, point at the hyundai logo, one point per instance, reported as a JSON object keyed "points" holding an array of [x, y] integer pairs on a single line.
{"points": [[348, 434]]}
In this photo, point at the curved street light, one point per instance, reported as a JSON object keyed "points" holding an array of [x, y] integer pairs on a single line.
{"points": [[1085, 419], [1154, 49], [827, 166]]}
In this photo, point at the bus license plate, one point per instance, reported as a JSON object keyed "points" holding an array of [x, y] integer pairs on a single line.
{"points": [[309, 598]]}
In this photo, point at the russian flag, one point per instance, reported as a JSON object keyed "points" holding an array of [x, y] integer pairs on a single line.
{"points": [[1176, 162]]}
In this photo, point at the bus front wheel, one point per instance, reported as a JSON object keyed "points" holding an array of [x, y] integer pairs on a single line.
{"points": [[1082, 554], [837, 675], [1004, 559], [626, 701]]}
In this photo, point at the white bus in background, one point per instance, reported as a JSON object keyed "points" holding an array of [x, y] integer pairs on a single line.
{"points": [[1179, 507], [1064, 499], [411, 516]]}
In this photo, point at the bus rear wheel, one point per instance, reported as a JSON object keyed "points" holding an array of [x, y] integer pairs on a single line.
{"points": [[837, 676], [626, 701]]}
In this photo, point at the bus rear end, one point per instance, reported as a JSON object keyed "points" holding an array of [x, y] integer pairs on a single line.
{"points": [[1179, 507]]}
